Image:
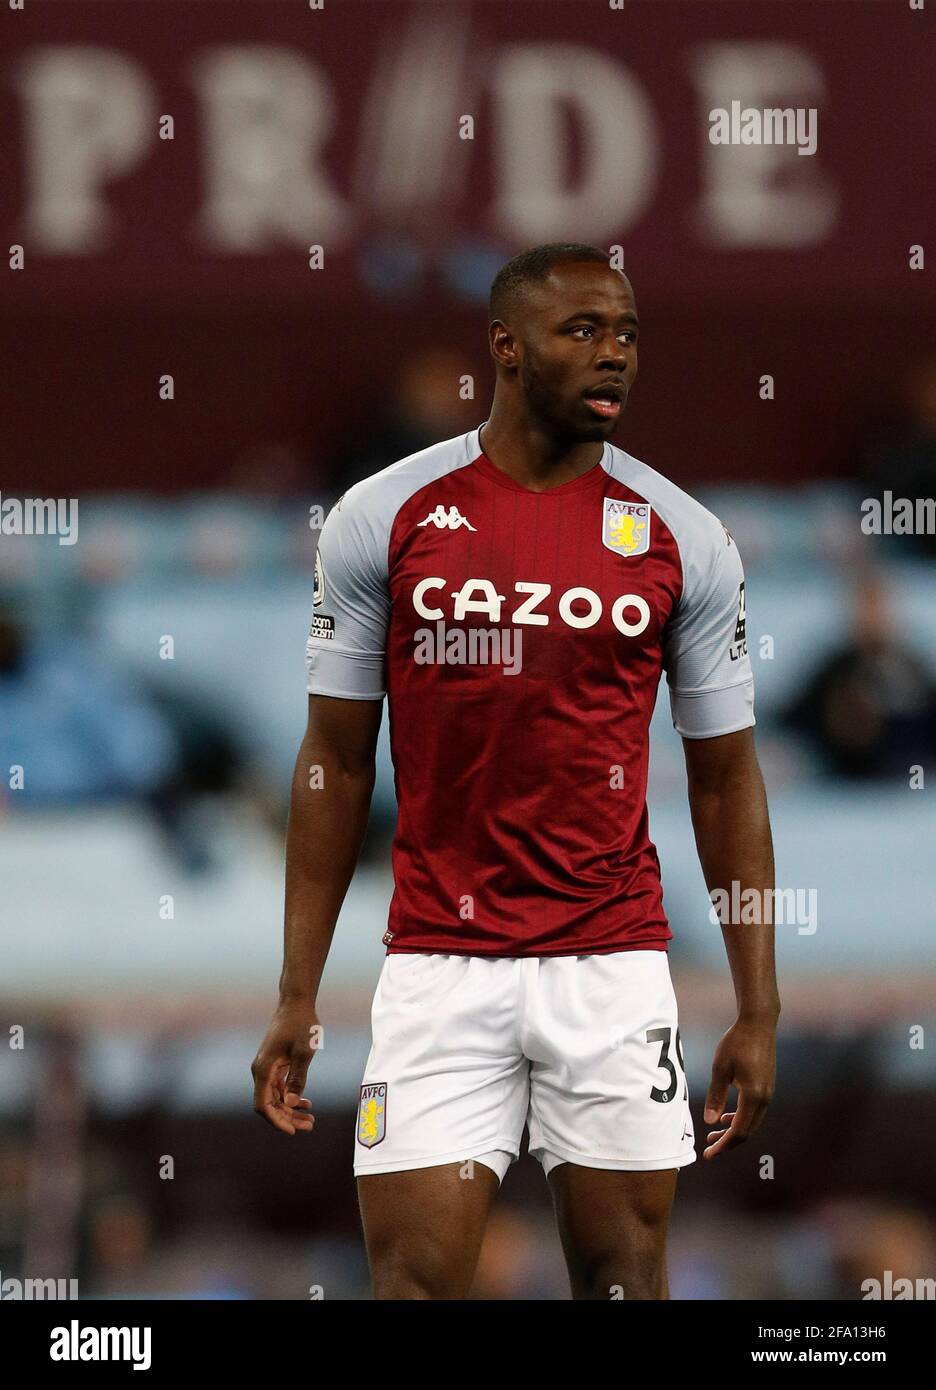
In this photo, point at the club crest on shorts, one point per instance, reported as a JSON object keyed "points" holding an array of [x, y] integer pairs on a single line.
{"points": [[372, 1114], [625, 526]]}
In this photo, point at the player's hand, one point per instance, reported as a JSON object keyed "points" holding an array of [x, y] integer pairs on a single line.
{"points": [[746, 1057], [280, 1066]]}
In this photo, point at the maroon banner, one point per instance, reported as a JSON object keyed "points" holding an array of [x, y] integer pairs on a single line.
{"points": [[153, 144], [204, 162]]}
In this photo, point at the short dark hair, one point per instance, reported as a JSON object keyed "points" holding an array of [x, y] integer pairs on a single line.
{"points": [[531, 268]]}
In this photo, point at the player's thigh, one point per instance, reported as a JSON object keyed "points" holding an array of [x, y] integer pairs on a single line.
{"points": [[423, 1228], [613, 1226]]}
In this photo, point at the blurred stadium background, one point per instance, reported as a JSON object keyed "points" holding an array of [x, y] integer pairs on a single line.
{"points": [[141, 864]]}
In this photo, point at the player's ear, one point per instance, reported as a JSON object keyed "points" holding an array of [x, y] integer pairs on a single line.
{"points": [[503, 344]]}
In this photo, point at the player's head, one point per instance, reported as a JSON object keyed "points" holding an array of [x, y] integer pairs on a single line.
{"points": [[564, 336]]}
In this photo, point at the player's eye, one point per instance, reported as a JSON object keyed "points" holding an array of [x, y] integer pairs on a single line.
{"points": [[628, 336]]}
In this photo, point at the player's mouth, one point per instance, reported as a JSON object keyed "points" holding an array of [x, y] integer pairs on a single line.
{"points": [[606, 401]]}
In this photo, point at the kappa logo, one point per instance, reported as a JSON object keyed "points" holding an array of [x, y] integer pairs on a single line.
{"points": [[372, 1114], [447, 520], [625, 526]]}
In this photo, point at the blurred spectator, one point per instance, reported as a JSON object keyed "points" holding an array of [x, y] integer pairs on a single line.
{"points": [[83, 733], [870, 708], [208, 762], [79, 731], [876, 1239], [14, 1182], [900, 455], [424, 406], [120, 1239]]}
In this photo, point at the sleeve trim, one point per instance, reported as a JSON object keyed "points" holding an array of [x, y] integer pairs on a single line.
{"points": [[748, 723], [723, 711], [344, 694], [710, 689]]}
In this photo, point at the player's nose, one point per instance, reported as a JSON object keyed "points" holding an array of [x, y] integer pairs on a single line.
{"points": [[612, 354]]}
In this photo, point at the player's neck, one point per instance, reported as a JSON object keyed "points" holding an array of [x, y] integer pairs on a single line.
{"points": [[532, 457]]}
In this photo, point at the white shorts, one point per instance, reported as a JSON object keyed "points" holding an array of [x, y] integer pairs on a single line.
{"points": [[468, 1049]]}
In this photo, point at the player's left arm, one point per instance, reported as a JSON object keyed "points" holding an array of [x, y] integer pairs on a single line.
{"points": [[732, 832], [712, 697]]}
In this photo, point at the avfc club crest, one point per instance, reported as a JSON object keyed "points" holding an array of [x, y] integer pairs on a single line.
{"points": [[625, 526], [372, 1114]]}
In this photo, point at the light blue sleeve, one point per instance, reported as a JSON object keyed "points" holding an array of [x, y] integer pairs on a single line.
{"points": [[346, 648], [708, 668]]}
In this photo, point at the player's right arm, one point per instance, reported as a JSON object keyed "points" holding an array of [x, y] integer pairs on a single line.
{"points": [[331, 790], [331, 794]]}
